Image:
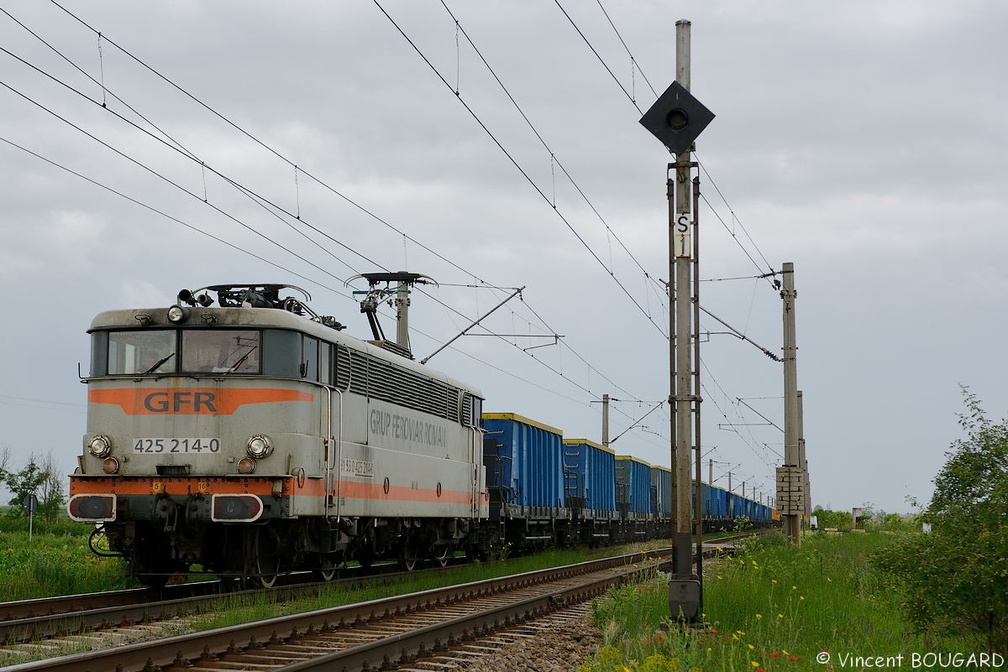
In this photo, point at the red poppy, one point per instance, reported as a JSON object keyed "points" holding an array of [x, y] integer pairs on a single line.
{"points": [[775, 655], [713, 631], [794, 658]]}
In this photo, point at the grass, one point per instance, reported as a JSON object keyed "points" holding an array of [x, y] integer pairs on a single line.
{"points": [[55, 561], [772, 607]]}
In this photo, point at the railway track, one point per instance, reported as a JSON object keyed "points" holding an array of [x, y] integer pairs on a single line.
{"points": [[370, 634], [39, 619], [418, 624]]}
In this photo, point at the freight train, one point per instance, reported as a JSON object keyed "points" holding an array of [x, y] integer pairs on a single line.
{"points": [[253, 438]]}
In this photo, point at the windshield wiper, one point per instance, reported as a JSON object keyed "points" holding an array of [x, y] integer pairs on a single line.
{"points": [[242, 359], [158, 363]]}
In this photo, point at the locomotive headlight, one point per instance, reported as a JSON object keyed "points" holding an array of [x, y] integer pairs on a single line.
{"points": [[259, 446], [177, 314], [100, 446]]}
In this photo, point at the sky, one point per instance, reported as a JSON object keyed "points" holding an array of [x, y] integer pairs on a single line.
{"points": [[496, 145]]}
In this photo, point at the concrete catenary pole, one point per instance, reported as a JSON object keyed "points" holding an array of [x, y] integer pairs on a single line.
{"points": [[791, 517], [698, 462], [680, 265], [605, 420], [802, 462]]}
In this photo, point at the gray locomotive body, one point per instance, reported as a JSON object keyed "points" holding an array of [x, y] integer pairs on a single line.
{"points": [[254, 441]]}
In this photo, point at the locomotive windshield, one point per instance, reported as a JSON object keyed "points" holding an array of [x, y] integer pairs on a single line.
{"points": [[220, 351], [141, 352], [155, 352]]}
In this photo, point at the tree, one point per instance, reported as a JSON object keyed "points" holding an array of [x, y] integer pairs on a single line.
{"points": [[957, 576], [51, 494], [42, 480], [22, 484]]}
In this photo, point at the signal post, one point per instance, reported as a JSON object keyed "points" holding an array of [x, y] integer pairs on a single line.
{"points": [[676, 119]]}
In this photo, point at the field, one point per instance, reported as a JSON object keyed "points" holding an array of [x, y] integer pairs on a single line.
{"points": [[56, 561], [773, 608]]}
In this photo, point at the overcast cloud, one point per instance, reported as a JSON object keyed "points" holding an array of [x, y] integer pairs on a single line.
{"points": [[863, 141]]}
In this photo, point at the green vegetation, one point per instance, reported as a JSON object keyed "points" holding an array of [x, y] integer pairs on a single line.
{"points": [[39, 477], [891, 590], [55, 562], [956, 577], [771, 607]]}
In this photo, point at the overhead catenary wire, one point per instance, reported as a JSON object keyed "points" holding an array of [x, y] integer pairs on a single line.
{"points": [[553, 158], [515, 163], [633, 101], [262, 201], [231, 217], [258, 257], [296, 215], [276, 153], [161, 213], [299, 168]]}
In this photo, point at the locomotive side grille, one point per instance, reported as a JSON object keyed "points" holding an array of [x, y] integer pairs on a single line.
{"points": [[358, 372], [388, 382], [453, 403], [377, 378], [342, 367]]}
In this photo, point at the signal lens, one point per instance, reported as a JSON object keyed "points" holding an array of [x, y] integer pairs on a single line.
{"points": [[246, 465]]}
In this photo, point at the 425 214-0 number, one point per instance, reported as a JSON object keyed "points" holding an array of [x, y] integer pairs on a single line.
{"points": [[176, 445]]}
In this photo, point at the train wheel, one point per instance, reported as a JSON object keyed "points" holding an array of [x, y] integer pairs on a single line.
{"points": [[444, 554], [267, 558], [326, 571], [408, 558]]}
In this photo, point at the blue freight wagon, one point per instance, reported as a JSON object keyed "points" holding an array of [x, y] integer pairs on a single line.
{"points": [[661, 493], [590, 471], [590, 478], [633, 487], [525, 478]]}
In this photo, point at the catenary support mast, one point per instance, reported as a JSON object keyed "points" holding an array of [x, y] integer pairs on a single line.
{"points": [[794, 506]]}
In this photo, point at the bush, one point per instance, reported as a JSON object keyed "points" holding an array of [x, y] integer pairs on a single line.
{"points": [[957, 576]]}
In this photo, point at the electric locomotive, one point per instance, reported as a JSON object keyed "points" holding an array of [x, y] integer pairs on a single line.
{"points": [[253, 438]]}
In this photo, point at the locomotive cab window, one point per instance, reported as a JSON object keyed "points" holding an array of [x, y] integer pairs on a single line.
{"points": [[220, 351], [310, 359], [141, 352]]}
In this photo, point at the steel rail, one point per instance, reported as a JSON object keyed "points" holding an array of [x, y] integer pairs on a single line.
{"points": [[181, 649], [33, 620]]}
